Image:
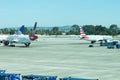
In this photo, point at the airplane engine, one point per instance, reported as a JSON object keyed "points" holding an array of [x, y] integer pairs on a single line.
{"points": [[5, 43], [33, 37]]}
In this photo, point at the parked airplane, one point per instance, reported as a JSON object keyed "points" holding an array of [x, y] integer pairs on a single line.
{"points": [[21, 38], [94, 38], [3, 37]]}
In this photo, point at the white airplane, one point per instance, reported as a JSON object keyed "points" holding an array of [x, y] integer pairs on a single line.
{"points": [[3, 37], [21, 38], [94, 38]]}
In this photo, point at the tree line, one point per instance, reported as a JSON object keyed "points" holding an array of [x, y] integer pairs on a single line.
{"points": [[96, 30], [74, 30]]}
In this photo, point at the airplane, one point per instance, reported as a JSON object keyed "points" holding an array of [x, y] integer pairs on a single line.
{"points": [[3, 37], [94, 38], [20, 38]]}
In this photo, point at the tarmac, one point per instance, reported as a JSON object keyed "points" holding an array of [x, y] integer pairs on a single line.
{"points": [[62, 57]]}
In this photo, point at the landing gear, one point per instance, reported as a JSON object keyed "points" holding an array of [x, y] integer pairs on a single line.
{"points": [[6, 43], [1, 41], [91, 45], [92, 42], [27, 44]]}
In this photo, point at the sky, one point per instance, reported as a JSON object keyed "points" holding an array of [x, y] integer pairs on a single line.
{"points": [[49, 13]]}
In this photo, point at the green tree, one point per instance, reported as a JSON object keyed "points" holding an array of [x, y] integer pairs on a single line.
{"points": [[26, 31], [114, 30], [89, 29], [101, 30], [75, 29], [12, 31], [54, 31]]}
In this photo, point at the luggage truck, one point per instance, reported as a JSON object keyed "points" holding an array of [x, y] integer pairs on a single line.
{"points": [[111, 45]]}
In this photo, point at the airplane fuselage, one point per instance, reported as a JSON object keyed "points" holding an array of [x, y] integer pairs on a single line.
{"points": [[97, 37], [18, 39]]}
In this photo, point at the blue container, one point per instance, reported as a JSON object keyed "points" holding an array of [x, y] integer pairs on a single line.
{"points": [[9, 76], [69, 78], [2, 71], [115, 42], [118, 46], [41, 77], [110, 45], [104, 44]]}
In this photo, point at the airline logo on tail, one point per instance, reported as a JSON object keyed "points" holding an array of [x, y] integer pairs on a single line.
{"points": [[32, 36], [21, 30], [82, 33]]}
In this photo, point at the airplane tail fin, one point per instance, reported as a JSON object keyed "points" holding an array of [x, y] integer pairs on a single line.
{"points": [[82, 33], [21, 30], [32, 36]]}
